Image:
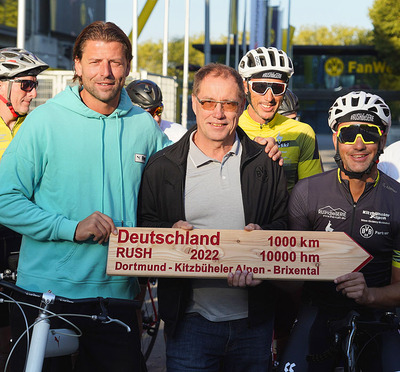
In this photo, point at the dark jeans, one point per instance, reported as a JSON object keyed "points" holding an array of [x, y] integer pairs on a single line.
{"points": [[201, 345], [102, 347]]}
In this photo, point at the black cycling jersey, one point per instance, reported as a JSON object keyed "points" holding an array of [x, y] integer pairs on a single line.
{"points": [[324, 203]]}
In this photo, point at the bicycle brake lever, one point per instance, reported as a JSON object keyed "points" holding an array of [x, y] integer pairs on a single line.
{"points": [[121, 323]]}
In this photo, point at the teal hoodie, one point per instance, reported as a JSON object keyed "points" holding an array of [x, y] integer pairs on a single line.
{"points": [[66, 162]]}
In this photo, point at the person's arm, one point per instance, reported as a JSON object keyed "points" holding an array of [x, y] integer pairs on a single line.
{"points": [[19, 177], [309, 159], [278, 219], [298, 208]]}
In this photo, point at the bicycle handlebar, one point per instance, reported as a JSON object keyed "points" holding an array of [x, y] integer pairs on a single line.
{"points": [[341, 328], [102, 317], [387, 322], [89, 300]]}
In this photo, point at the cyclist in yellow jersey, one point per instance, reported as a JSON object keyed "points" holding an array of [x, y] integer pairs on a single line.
{"points": [[265, 73], [18, 83]]}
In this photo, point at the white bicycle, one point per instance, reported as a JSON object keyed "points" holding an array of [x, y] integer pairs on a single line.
{"points": [[46, 342]]}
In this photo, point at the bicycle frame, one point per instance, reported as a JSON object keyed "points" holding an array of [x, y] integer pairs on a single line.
{"points": [[353, 325], [46, 342], [40, 346]]}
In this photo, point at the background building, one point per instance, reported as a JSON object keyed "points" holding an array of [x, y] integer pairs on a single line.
{"points": [[51, 26]]}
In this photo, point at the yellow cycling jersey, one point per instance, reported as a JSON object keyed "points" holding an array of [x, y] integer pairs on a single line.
{"points": [[296, 141], [6, 135]]}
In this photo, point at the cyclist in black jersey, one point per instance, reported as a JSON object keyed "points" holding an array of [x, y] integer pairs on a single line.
{"points": [[363, 202]]}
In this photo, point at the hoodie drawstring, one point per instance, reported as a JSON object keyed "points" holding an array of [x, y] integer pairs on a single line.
{"points": [[119, 139], [102, 174]]}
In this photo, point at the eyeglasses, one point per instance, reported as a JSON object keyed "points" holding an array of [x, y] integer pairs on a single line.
{"points": [[210, 105], [26, 85], [261, 87], [157, 111], [369, 133]]}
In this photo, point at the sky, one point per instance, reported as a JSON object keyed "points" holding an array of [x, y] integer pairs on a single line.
{"points": [[349, 13]]}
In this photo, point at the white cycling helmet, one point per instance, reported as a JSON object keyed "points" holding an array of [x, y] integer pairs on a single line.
{"points": [[16, 62], [360, 106], [266, 63]]}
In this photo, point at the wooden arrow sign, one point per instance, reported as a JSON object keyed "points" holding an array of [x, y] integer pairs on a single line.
{"points": [[298, 255]]}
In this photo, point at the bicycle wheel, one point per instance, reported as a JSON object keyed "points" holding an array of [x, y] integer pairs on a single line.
{"points": [[150, 319]]}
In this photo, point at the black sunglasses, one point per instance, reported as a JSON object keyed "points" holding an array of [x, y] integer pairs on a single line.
{"points": [[369, 133], [26, 85], [261, 87]]}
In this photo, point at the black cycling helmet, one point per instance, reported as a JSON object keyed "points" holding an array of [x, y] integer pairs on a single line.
{"points": [[290, 104], [145, 93]]}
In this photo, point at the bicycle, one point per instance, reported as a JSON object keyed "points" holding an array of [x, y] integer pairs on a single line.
{"points": [[150, 318], [46, 342], [347, 333]]}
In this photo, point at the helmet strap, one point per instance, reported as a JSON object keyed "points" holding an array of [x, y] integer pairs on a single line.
{"points": [[8, 101], [357, 175]]}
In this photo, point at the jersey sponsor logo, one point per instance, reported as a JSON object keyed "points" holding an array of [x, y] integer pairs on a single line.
{"points": [[388, 187], [289, 367], [330, 212], [140, 158], [329, 227], [377, 215], [280, 142], [366, 231]]}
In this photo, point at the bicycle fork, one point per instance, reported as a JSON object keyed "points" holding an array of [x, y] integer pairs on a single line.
{"points": [[350, 355]]}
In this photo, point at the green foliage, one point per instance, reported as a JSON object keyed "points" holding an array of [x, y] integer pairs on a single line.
{"points": [[150, 56], [385, 16], [9, 13], [336, 35]]}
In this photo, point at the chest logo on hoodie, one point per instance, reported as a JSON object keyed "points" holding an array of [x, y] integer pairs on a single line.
{"points": [[140, 158]]}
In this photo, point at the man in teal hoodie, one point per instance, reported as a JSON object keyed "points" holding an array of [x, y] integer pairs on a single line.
{"points": [[69, 178]]}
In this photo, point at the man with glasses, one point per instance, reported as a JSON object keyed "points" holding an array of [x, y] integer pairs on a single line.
{"points": [[215, 177], [266, 73], [18, 83], [361, 201], [147, 95]]}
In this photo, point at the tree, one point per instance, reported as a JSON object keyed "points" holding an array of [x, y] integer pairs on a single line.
{"points": [[336, 35], [150, 56], [385, 16]]}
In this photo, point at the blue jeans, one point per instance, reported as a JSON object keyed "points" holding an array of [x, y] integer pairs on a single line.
{"points": [[201, 345]]}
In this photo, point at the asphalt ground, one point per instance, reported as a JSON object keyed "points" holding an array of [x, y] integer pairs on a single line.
{"points": [[156, 361]]}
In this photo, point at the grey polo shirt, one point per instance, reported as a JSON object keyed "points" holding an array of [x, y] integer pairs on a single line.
{"points": [[213, 200]]}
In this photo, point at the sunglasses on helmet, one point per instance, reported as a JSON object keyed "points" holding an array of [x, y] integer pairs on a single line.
{"points": [[210, 105], [261, 87], [26, 85], [157, 111], [369, 133]]}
